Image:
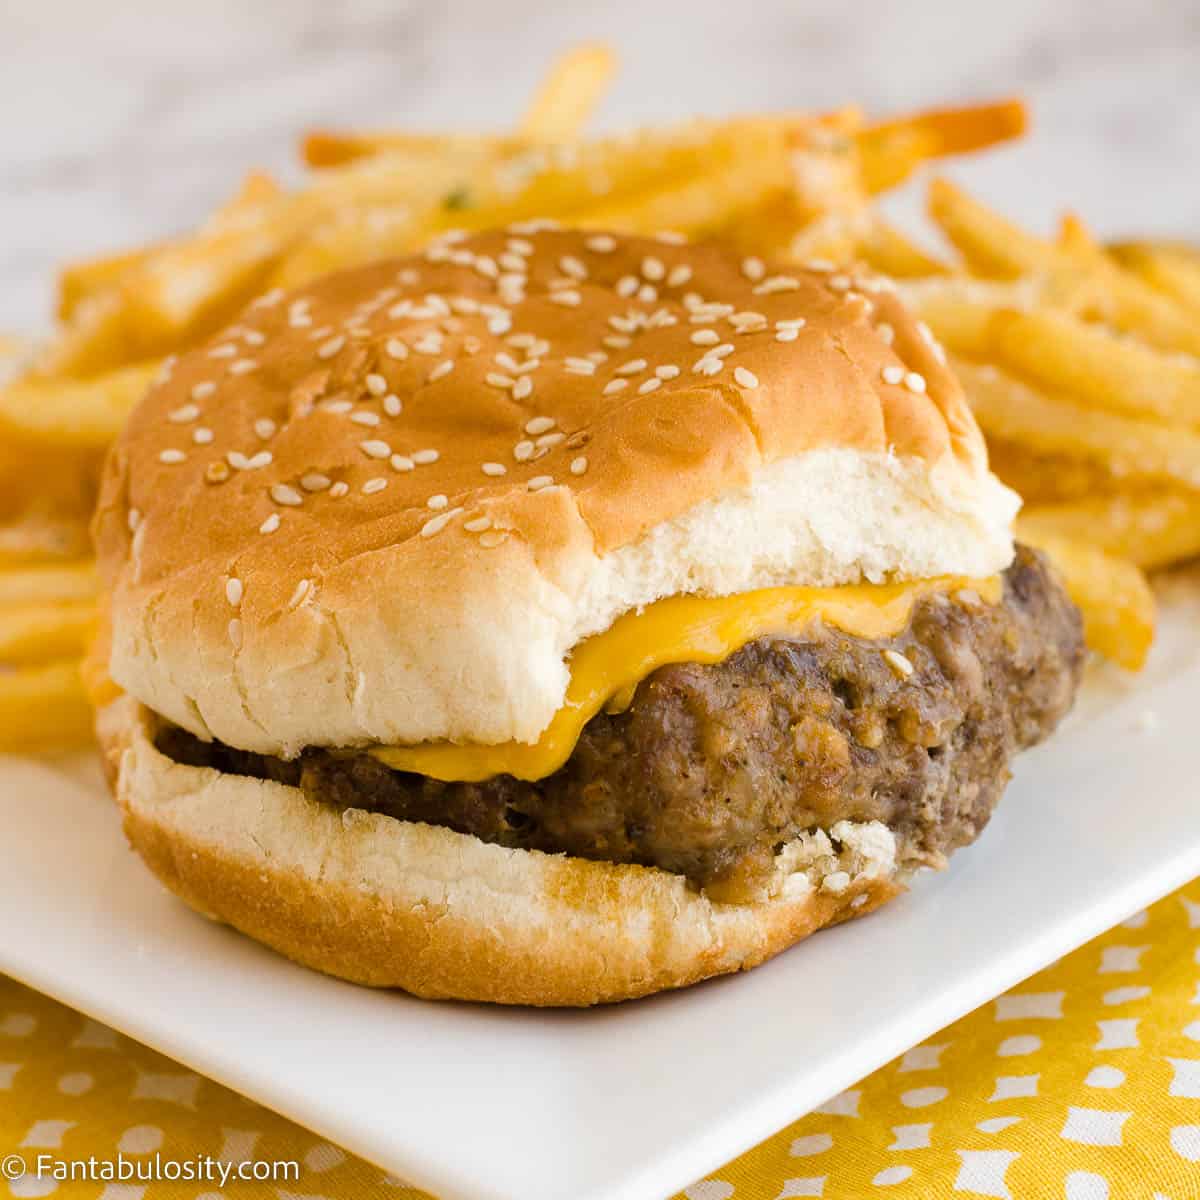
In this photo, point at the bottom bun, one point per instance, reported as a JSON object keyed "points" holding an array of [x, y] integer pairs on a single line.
{"points": [[441, 914]]}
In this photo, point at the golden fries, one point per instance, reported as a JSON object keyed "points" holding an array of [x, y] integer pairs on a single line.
{"points": [[1009, 409], [73, 414], [31, 633], [1172, 269], [1151, 527], [43, 708], [570, 91], [892, 150], [1113, 595], [48, 584]]}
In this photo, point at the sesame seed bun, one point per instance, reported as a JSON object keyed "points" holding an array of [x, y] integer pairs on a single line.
{"points": [[444, 915], [386, 507]]}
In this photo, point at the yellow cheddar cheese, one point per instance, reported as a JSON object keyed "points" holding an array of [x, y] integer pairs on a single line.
{"points": [[606, 668]]}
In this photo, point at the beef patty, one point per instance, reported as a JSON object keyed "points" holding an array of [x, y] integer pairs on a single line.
{"points": [[712, 768]]}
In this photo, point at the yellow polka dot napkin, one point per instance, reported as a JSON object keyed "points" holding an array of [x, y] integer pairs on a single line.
{"points": [[1081, 1084]]}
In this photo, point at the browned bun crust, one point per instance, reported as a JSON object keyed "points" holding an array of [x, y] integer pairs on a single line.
{"points": [[385, 508], [440, 914]]}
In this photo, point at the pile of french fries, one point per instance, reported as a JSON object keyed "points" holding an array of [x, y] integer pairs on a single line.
{"points": [[1076, 356]]}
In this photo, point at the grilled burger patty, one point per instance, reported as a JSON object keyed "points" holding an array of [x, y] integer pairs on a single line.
{"points": [[713, 767]]}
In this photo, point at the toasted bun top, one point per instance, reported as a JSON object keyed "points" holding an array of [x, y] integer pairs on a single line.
{"points": [[384, 508]]}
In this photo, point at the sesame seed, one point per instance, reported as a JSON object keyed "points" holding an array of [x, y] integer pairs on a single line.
{"points": [[567, 296], [601, 243], [438, 523], [400, 309], [339, 489], [791, 323], [216, 472], [430, 344], [235, 633], [777, 283], [374, 485], [269, 299], [331, 347], [649, 385], [171, 456], [441, 371], [744, 321], [401, 462], [789, 334], [494, 469], [708, 365], [229, 350], [723, 350], [841, 283], [540, 481], [233, 591], [522, 388], [180, 416], [520, 246], [202, 435], [632, 367], [496, 380], [263, 458], [133, 519], [679, 275], [365, 418], [301, 590], [579, 366], [705, 337], [478, 524], [512, 263], [887, 334], [281, 493], [901, 666], [627, 285], [201, 391], [264, 427], [317, 334], [243, 366], [579, 465], [376, 384], [492, 538], [653, 269], [746, 378], [667, 371], [270, 524], [253, 337], [314, 481], [376, 448], [337, 406], [569, 265], [613, 386], [550, 439], [915, 382], [396, 349], [424, 457], [392, 405], [538, 425], [670, 237], [437, 502], [753, 269], [616, 341], [893, 374], [523, 451]]}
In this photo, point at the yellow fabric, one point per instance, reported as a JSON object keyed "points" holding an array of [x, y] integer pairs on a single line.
{"points": [[1082, 1084]]}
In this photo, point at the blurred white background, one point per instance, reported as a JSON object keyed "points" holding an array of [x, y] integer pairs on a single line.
{"points": [[123, 122]]}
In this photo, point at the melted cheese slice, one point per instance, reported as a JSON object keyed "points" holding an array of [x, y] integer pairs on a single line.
{"points": [[606, 668]]}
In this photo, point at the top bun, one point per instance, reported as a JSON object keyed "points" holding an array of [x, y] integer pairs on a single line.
{"points": [[384, 508]]}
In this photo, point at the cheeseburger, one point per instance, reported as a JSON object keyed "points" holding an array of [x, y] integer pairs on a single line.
{"points": [[556, 617]]}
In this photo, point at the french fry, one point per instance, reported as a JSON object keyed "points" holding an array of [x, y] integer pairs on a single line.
{"points": [[883, 247], [1085, 361], [73, 414], [79, 281], [43, 708], [1112, 594], [329, 148], [41, 632], [1151, 527], [1047, 478], [39, 538], [48, 584], [960, 310], [1172, 270], [892, 150], [572, 88], [992, 246], [1127, 448]]}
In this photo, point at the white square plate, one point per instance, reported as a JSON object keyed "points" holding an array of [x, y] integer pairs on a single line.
{"points": [[632, 1102]]}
